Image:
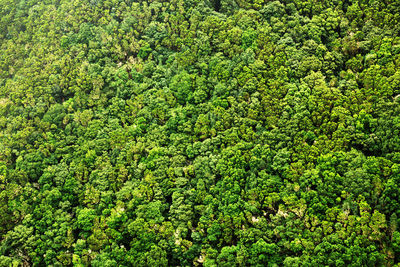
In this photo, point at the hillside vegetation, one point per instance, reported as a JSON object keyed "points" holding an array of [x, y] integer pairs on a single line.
{"points": [[199, 133]]}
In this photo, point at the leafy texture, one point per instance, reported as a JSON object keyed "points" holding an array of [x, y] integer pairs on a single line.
{"points": [[188, 132]]}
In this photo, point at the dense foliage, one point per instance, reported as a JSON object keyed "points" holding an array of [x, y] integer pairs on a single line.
{"points": [[191, 132]]}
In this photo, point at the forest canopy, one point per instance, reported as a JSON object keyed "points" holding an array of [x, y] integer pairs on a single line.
{"points": [[199, 133]]}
